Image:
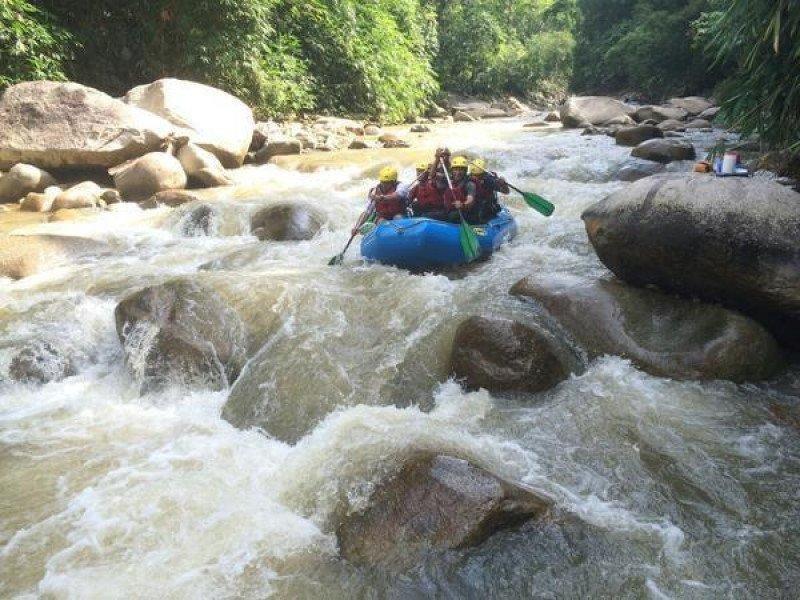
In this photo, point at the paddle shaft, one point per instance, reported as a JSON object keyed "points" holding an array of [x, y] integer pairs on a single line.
{"points": [[450, 185]]}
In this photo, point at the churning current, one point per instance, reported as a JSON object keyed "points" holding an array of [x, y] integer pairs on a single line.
{"points": [[681, 489]]}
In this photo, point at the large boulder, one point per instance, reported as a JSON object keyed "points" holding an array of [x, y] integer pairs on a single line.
{"points": [[729, 240], [57, 125], [287, 221], [503, 355], [213, 119], [633, 136], [36, 202], [660, 113], [277, 146], [664, 150], [181, 332], [435, 503], [693, 105], [25, 255], [21, 180], [579, 111], [663, 335], [152, 173]]}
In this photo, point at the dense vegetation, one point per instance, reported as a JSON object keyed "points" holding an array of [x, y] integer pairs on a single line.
{"points": [[390, 58]]}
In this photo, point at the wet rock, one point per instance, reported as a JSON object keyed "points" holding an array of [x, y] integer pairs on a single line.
{"points": [[672, 125], [663, 335], [420, 129], [40, 362], [361, 144], [277, 147], [43, 202], [539, 123], [594, 110], [664, 150], [390, 140], [340, 126], [213, 119], [660, 113], [693, 105], [373, 130], [633, 136], [25, 255], [60, 125], [111, 196], [638, 169], [209, 178], [287, 221], [86, 194], [152, 173], [308, 140], [503, 355], [168, 198], [21, 180], [181, 332], [199, 221], [732, 241], [434, 503]]}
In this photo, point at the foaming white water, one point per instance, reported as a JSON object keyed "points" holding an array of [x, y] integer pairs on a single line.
{"points": [[109, 493]]}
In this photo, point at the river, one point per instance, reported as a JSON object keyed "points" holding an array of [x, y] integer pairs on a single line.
{"points": [[683, 489]]}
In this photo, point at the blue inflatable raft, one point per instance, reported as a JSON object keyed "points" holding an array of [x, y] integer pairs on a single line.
{"points": [[420, 244]]}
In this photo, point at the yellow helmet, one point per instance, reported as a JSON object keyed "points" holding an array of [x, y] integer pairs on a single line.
{"points": [[478, 166], [388, 174], [422, 166], [459, 162]]}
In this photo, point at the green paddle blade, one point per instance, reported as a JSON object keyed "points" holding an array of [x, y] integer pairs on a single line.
{"points": [[469, 241], [536, 202], [336, 260]]}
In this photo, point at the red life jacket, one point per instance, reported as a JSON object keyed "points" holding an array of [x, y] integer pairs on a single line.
{"points": [[428, 197], [457, 194], [388, 208]]}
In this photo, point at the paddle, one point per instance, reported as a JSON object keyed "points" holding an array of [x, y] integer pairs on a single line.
{"points": [[535, 201], [466, 235], [363, 218]]}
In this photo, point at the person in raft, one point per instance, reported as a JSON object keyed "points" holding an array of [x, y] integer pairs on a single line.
{"points": [[462, 194], [487, 186], [388, 199], [427, 196]]}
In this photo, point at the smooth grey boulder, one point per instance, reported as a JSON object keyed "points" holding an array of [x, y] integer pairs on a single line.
{"points": [[693, 105], [672, 125], [22, 180], [502, 355], [665, 150], [632, 136], [578, 111], [154, 172], [698, 124], [727, 240], [287, 221], [709, 114], [181, 332], [663, 335], [435, 503], [278, 146]]}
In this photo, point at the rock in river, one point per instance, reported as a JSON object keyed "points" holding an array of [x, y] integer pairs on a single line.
{"points": [[55, 125], [662, 335], [503, 355], [213, 119], [633, 136], [733, 241], [152, 173], [579, 111], [664, 150], [287, 221], [40, 362], [435, 502], [25, 255], [181, 331], [23, 179]]}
